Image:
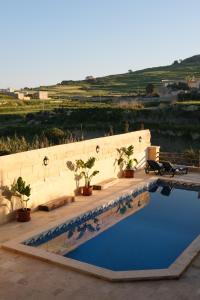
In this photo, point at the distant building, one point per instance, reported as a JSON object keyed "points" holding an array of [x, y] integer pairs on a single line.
{"points": [[40, 95], [193, 83], [43, 95], [11, 90], [23, 96], [167, 82], [8, 90]]}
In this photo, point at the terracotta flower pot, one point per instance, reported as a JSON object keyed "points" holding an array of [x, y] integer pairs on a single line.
{"points": [[87, 191], [129, 173], [23, 215]]}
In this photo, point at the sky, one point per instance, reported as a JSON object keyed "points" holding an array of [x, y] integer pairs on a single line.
{"points": [[43, 42]]}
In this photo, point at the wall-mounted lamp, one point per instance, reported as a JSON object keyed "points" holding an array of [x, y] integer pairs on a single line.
{"points": [[140, 139], [97, 149], [46, 161]]}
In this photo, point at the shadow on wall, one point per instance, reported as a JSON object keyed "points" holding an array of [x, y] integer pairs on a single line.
{"points": [[7, 203], [120, 171], [126, 161], [6, 194], [77, 177], [141, 163]]}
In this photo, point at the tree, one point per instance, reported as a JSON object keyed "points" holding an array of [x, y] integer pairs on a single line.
{"points": [[175, 62], [55, 134], [90, 78], [126, 126], [150, 89]]}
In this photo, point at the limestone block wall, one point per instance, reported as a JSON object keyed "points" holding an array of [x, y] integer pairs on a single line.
{"points": [[56, 180], [154, 152]]}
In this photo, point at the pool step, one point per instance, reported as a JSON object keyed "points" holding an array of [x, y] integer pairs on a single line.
{"points": [[105, 184]]}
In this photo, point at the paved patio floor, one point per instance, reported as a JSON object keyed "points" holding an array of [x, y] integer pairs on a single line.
{"points": [[23, 277]]}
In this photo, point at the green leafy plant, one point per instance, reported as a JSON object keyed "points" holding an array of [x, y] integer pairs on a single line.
{"points": [[125, 160], [84, 169], [19, 188]]}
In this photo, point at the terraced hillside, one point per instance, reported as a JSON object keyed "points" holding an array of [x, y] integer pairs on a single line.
{"points": [[128, 83], [33, 124]]}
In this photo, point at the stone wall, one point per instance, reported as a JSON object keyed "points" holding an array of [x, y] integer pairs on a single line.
{"points": [[56, 180]]}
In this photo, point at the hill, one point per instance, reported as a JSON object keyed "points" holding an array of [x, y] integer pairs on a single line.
{"points": [[194, 60], [127, 83]]}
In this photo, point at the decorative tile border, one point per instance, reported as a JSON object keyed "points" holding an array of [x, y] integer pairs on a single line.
{"points": [[76, 236], [69, 226]]}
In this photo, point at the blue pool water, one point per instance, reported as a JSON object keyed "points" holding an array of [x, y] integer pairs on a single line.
{"points": [[151, 238]]}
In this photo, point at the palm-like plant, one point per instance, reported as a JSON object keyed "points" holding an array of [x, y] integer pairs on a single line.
{"points": [[125, 159], [84, 168], [22, 190]]}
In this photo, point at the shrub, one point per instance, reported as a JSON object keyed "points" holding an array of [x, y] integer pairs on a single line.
{"points": [[54, 134], [9, 145]]}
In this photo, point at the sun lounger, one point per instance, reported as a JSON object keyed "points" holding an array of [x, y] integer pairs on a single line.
{"points": [[154, 166], [171, 169]]}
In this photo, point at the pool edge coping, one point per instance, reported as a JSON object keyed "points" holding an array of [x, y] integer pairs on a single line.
{"points": [[174, 271]]}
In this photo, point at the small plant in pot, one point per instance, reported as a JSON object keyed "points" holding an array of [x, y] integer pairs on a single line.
{"points": [[23, 191], [85, 172], [126, 162]]}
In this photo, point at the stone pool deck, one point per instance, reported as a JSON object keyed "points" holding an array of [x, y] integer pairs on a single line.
{"points": [[23, 277]]}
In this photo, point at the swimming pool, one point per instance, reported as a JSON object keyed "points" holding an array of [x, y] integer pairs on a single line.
{"points": [[151, 238], [150, 232]]}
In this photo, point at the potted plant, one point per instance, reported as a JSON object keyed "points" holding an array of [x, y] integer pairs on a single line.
{"points": [[23, 191], [84, 168], [126, 162]]}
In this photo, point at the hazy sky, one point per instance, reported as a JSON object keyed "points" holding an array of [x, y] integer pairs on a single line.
{"points": [[47, 41]]}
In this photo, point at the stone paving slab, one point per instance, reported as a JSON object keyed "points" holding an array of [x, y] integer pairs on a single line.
{"points": [[23, 277], [82, 204]]}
